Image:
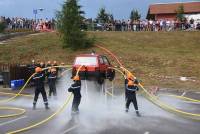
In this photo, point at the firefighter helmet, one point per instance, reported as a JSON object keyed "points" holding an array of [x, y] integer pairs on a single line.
{"points": [[38, 69], [130, 83], [130, 76]]}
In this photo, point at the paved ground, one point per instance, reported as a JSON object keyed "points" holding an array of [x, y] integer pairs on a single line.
{"points": [[100, 115]]}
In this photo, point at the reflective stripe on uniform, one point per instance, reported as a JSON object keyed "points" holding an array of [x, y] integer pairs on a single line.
{"points": [[75, 87], [38, 77], [129, 88], [51, 77]]}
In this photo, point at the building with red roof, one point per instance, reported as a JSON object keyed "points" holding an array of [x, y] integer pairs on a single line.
{"points": [[168, 10]]}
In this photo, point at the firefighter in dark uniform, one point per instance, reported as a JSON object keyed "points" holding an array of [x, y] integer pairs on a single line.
{"points": [[39, 87], [76, 90], [55, 65], [42, 65], [48, 71], [130, 92], [52, 82], [31, 69]]}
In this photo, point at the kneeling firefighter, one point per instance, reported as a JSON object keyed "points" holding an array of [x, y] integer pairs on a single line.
{"points": [[76, 90], [39, 87], [130, 92]]}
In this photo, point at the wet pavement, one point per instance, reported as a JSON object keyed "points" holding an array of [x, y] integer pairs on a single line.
{"points": [[100, 114]]}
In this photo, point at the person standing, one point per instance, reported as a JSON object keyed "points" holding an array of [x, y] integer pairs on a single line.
{"points": [[48, 70], [76, 90], [55, 65], [130, 93], [39, 87], [52, 82]]}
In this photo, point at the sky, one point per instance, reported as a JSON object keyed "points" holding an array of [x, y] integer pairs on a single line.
{"points": [[119, 8]]}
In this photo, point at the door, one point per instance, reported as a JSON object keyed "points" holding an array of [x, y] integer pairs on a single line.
{"points": [[102, 65]]}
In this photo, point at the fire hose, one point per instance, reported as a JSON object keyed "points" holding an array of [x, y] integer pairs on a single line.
{"points": [[151, 97]]}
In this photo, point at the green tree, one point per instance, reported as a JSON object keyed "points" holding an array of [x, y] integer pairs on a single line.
{"points": [[69, 22], [135, 15], [103, 16], [180, 13]]}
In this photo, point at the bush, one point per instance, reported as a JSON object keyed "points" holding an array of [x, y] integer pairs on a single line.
{"points": [[2, 27]]}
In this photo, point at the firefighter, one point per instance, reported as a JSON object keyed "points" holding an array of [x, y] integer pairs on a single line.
{"points": [[38, 63], [39, 87], [48, 71], [130, 92], [31, 69], [55, 64], [52, 82], [48, 64], [76, 90], [42, 65]]}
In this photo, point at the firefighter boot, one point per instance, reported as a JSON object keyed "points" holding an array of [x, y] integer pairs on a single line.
{"points": [[46, 106], [34, 106], [137, 113]]}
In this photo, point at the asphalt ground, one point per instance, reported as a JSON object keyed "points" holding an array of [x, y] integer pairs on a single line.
{"points": [[100, 114]]}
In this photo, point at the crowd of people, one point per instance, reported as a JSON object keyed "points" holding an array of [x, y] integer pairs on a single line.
{"points": [[41, 64], [149, 25], [116, 25], [25, 23]]}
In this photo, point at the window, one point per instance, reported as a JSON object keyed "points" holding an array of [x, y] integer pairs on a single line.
{"points": [[92, 61], [105, 60], [101, 60]]}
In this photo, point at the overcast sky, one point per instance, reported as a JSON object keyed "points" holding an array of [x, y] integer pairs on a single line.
{"points": [[119, 8]]}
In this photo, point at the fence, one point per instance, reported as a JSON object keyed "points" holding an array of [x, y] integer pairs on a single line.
{"points": [[14, 72]]}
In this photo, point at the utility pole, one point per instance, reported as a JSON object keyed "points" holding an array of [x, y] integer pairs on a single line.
{"points": [[35, 12]]}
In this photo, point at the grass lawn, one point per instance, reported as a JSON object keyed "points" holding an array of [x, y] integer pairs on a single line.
{"points": [[157, 58]]}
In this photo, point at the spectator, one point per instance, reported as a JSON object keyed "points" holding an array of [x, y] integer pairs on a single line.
{"points": [[25, 23], [192, 23]]}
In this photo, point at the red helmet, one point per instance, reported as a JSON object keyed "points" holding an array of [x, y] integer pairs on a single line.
{"points": [[130, 76], [130, 83], [38, 69]]}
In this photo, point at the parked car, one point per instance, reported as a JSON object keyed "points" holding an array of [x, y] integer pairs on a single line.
{"points": [[95, 67]]}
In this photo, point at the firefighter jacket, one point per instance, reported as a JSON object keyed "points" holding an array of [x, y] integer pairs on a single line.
{"points": [[130, 90], [52, 78], [76, 89], [39, 80]]}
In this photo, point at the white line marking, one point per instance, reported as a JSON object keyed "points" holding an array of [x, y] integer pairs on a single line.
{"points": [[146, 132], [191, 102], [70, 129], [11, 121]]}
